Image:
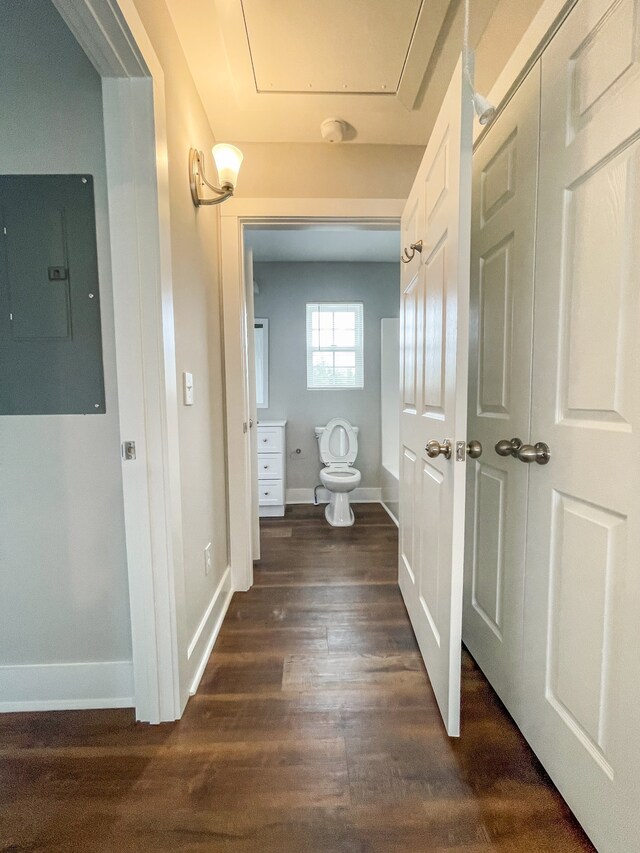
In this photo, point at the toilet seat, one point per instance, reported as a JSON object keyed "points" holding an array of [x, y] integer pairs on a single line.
{"points": [[331, 453], [340, 477]]}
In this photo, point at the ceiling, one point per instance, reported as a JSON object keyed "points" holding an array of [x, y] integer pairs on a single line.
{"points": [[324, 244], [273, 70]]}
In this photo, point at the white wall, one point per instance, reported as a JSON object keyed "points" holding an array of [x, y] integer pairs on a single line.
{"points": [[196, 303], [390, 393], [309, 170], [390, 412], [63, 575], [285, 288]]}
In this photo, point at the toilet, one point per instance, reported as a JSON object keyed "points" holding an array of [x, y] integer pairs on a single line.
{"points": [[338, 448]]}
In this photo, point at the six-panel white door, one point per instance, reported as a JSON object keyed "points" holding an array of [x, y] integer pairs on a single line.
{"points": [[582, 627], [505, 181], [434, 346]]}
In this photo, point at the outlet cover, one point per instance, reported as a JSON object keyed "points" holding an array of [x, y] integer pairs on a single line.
{"points": [[207, 559]]}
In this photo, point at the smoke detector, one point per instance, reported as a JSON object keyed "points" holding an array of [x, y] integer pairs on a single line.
{"points": [[333, 129]]}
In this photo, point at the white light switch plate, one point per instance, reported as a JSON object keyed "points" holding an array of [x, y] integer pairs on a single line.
{"points": [[187, 387], [207, 559]]}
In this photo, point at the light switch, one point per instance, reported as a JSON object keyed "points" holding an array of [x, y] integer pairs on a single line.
{"points": [[187, 386]]}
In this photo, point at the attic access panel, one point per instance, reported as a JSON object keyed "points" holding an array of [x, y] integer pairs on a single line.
{"points": [[50, 337], [330, 46]]}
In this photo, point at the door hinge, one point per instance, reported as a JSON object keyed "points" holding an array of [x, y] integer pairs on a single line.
{"points": [[128, 450]]}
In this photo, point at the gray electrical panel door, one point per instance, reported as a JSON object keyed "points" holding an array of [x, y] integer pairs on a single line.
{"points": [[50, 340]]}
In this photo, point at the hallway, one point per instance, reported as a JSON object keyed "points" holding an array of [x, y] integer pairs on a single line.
{"points": [[314, 729]]}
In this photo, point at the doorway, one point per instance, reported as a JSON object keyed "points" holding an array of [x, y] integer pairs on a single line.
{"points": [[240, 219], [319, 297]]}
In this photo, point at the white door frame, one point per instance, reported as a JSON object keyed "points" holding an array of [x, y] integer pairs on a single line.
{"points": [[234, 216], [546, 22], [113, 37]]}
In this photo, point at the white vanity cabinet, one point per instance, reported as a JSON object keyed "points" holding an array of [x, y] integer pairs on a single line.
{"points": [[271, 467]]}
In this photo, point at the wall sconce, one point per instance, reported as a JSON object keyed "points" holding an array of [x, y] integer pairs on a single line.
{"points": [[228, 159]]}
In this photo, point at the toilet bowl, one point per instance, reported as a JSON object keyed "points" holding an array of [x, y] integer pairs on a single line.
{"points": [[338, 448]]}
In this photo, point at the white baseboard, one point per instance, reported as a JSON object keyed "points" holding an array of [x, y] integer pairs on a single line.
{"points": [[360, 495], [66, 686], [207, 631], [390, 514]]}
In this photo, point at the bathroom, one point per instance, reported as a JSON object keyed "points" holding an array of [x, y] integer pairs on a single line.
{"points": [[325, 307]]}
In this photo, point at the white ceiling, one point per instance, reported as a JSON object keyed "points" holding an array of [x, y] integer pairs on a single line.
{"points": [[273, 70], [324, 244], [331, 46]]}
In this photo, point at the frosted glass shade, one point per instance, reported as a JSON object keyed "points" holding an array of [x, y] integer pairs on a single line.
{"points": [[228, 159]]}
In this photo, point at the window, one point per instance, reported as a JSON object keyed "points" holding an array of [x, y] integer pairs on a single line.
{"points": [[334, 345]]}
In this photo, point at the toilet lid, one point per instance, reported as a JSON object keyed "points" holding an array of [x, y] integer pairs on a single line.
{"points": [[338, 443]]}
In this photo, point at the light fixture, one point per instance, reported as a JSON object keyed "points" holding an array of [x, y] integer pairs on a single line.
{"points": [[333, 129], [484, 109], [228, 159]]}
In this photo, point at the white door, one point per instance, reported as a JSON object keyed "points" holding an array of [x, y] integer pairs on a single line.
{"points": [[505, 181], [251, 397], [582, 626], [434, 345]]}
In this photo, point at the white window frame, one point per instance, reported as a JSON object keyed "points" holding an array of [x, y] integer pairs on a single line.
{"points": [[356, 308]]}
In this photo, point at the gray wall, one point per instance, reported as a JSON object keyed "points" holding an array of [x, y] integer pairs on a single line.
{"points": [[285, 288], [63, 578]]}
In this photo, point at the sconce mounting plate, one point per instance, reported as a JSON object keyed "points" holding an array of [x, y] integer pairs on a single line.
{"points": [[194, 175]]}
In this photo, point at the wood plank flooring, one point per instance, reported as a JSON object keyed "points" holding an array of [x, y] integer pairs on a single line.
{"points": [[314, 729]]}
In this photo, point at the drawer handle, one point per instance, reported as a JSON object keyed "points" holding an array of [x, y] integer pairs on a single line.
{"points": [[265, 440], [266, 467], [266, 494]]}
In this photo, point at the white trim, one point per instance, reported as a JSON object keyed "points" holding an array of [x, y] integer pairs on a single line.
{"points": [[207, 613], [389, 513], [361, 495], [291, 210], [67, 686], [113, 37], [218, 610], [538, 34], [234, 215]]}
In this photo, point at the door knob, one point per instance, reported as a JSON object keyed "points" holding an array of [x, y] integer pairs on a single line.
{"points": [[434, 449], [508, 447], [538, 453], [474, 449]]}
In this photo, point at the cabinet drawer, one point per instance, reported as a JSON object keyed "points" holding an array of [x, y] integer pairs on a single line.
{"points": [[269, 466], [270, 492], [270, 439]]}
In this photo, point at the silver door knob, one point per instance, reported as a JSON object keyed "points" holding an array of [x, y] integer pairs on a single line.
{"points": [[474, 449], [508, 447], [434, 448], [538, 453]]}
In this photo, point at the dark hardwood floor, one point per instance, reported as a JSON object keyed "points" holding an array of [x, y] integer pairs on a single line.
{"points": [[314, 729]]}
